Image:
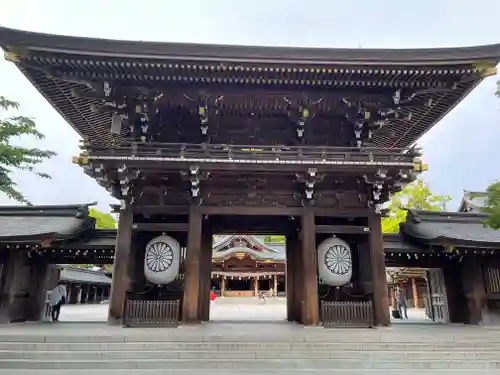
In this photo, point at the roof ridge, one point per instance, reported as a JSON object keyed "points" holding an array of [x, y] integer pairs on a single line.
{"points": [[75, 44]]}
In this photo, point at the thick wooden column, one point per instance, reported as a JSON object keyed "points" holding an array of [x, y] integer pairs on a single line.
{"points": [[292, 302], [414, 292], [365, 268], [11, 269], [377, 258], [190, 312], [310, 307], [121, 266], [137, 279], [256, 286], [222, 286], [205, 274], [474, 290], [44, 278]]}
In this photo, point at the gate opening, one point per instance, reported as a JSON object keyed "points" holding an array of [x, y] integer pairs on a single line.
{"points": [[417, 295]]}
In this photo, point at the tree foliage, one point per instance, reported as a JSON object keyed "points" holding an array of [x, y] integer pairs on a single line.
{"points": [[492, 205], [274, 239], [102, 219], [16, 157], [415, 195]]}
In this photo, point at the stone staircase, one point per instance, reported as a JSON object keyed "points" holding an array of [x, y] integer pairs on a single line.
{"points": [[250, 348]]}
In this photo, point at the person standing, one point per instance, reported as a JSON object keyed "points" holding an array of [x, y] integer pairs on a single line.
{"points": [[213, 297], [401, 302], [56, 300]]}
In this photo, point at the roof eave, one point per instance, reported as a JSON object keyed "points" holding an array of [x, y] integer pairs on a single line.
{"points": [[256, 54]]}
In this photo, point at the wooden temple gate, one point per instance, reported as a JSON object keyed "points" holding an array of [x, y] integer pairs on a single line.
{"points": [[301, 231], [202, 139]]}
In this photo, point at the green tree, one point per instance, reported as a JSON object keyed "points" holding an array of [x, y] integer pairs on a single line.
{"points": [[102, 219], [274, 239], [415, 195], [16, 157], [492, 205]]}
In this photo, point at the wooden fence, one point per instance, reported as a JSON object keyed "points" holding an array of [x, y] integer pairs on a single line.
{"points": [[347, 314], [492, 281], [151, 313]]}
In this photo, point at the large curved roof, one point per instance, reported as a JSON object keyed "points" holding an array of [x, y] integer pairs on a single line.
{"points": [[235, 53], [58, 66]]}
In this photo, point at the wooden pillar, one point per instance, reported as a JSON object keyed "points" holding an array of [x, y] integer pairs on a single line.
{"points": [[256, 286], [310, 307], [43, 279], [190, 312], [377, 258], [10, 270], [474, 290], [275, 286], [137, 279], [415, 293], [120, 281], [291, 270], [79, 297], [222, 285], [205, 274]]}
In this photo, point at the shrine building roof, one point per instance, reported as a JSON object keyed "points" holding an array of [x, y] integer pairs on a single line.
{"points": [[232, 245], [28, 224], [465, 229], [427, 82], [80, 275], [473, 201]]}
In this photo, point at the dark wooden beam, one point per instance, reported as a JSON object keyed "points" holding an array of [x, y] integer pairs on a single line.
{"points": [[253, 211], [160, 227], [160, 209], [351, 229], [181, 166]]}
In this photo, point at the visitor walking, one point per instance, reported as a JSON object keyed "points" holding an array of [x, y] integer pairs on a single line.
{"points": [[56, 300], [401, 302], [213, 297], [262, 297]]}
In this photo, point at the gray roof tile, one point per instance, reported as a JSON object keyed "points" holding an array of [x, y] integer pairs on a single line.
{"points": [[73, 274], [31, 223], [462, 228]]}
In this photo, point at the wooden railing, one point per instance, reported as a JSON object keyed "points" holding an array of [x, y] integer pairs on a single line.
{"points": [[492, 280], [151, 313], [347, 314], [276, 154]]}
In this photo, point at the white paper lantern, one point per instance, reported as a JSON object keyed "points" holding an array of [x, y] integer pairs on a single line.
{"points": [[334, 262], [162, 260]]}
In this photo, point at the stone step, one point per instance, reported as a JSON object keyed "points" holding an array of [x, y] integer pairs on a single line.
{"points": [[247, 364], [248, 372], [249, 346], [245, 354]]}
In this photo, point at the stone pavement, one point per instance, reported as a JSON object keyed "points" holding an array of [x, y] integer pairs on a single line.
{"points": [[223, 309], [251, 372]]}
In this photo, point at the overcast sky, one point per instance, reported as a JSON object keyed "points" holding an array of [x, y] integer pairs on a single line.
{"points": [[462, 150]]}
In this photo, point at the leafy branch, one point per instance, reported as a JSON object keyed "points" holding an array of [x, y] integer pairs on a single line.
{"points": [[14, 157]]}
